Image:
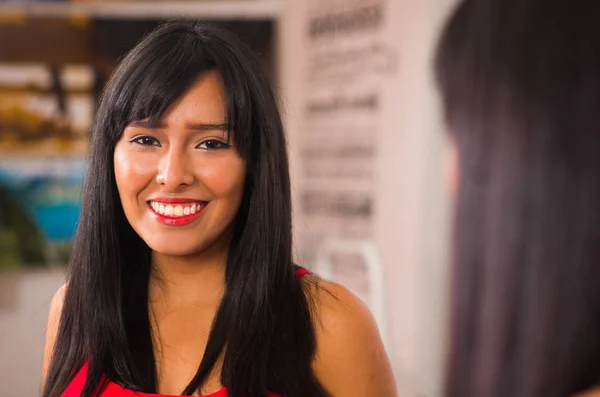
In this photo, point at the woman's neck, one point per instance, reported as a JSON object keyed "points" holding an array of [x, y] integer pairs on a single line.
{"points": [[192, 279]]}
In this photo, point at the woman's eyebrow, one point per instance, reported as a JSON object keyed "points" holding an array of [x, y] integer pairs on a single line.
{"points": [[191, 126], [208, 127]]}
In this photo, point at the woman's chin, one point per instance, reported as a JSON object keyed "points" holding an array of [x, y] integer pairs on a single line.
{"points": [[175, 249]]}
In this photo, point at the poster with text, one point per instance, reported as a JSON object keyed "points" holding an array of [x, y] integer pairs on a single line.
{"points": [[348, 62]]}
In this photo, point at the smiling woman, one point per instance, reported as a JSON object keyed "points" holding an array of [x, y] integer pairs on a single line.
{"points": [[181, 180], [182, 280]]}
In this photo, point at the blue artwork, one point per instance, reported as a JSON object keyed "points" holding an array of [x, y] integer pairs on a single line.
{"points": [[41, 206]]}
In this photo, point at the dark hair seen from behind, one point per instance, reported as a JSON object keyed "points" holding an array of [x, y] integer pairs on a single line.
{"points": [[520, 82]]}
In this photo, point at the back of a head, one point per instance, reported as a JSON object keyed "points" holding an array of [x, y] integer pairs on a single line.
{"points": [[520, 82]]}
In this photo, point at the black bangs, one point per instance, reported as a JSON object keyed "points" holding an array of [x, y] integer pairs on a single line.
{"points": [[165, 78], [165, 65], [157, 72]]}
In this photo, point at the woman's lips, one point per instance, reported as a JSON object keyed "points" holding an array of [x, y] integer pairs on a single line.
{"points": [[176, 212]]}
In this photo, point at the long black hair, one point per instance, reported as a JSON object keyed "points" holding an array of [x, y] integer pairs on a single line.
{"points": [[520, 82], [263, 326]]}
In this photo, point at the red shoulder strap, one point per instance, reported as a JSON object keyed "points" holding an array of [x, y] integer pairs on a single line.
{"points": [[301, 272]]}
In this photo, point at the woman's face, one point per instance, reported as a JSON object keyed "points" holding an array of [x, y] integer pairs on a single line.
{"points": [[180, 183]]}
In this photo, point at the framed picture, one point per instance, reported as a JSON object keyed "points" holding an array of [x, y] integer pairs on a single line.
{"points": [[52, 71]]}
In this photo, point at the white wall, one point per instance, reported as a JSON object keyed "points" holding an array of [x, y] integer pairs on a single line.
{"points": [[24, 303], [437, 206], [412, 208]]}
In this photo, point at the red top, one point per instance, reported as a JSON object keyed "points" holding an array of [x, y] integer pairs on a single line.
{"points": [[114, 390]]}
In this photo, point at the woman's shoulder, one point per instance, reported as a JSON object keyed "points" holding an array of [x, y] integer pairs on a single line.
{"points": [[335, 305], [58, 298], [338, 313], [333, 301], [350, 358], [56, 306]]}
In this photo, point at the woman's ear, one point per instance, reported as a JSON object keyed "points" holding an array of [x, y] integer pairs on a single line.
{"points": [[451, 168]]}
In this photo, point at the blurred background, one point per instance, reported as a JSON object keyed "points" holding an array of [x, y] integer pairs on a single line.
{"points": [[366, 145]]}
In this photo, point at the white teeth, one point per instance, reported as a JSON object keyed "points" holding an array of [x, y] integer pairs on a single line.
{"points": [[175, 210]]}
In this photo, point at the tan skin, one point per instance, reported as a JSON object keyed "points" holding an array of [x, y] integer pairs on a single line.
{"points": [[187, 156], [590, 393]]}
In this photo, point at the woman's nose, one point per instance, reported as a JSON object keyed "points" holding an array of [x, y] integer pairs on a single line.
{"points": [[175, 171]]}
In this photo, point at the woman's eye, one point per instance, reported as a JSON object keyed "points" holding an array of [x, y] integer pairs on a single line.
{"points": [[146, 141], [213, 144]]}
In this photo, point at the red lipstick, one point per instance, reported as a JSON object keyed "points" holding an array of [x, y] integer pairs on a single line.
{"points": [[175, 220]]}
